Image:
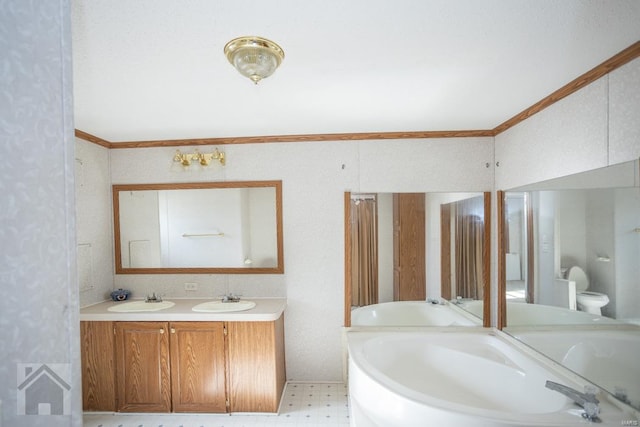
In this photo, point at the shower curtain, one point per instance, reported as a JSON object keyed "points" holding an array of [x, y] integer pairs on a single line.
{"points": [[469, 237], [364, 252]]}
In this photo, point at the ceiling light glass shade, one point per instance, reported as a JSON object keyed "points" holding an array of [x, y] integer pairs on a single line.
{"points": [[254, 57]]}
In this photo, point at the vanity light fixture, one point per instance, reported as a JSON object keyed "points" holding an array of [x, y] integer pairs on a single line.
{"points": [[204, 159], [254, 57]]}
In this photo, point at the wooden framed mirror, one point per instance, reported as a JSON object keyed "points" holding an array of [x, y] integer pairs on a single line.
{"points": [[206, 227], [431, 253]]}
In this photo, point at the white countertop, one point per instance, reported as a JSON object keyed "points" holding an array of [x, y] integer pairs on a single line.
{"points": [[266, 309]]}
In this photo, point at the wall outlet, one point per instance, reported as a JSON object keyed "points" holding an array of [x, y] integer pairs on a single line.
{"points": [[190, 286]]}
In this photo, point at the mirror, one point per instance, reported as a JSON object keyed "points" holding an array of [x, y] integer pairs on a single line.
{"points": [[222, 227], [414, 246], [570, 253]]}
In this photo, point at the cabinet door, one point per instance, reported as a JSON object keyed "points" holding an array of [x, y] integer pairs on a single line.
{"points": [[142, 365], [198, 367], [256, 365], [98, 366]]}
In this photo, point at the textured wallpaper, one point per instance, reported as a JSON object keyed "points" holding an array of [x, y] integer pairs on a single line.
{"points": [[39, 304], [624, 110], [93, 222]]}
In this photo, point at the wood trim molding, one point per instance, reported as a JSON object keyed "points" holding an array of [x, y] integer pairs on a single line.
{"points": [[347, 259], [502, 270], [616, 61], [530, 294], [92, 138], [445, 251], [486, 266], [292, 138]]}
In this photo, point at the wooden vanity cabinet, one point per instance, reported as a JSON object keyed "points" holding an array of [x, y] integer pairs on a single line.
{"points": [[256, 365], [97, 352], [186, 366], [198, 382], [142, 365]]}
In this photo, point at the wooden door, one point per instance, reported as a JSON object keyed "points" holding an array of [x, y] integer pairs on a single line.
{"points": [[445, 251], [198, 381], [256, 365], [98, 366], [409, 281], [142, 364]]}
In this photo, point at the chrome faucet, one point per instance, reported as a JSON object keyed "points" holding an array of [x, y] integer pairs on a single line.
{"points": [[153, 298], [587, 400], [458, 300], [231, 298], [435, 301]]}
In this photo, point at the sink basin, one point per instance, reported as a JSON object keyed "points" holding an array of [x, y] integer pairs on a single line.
{"points": [[220, 307], [138, 306]]}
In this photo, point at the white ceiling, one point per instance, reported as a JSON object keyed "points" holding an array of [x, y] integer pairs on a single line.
{"points": [[155, 69]]}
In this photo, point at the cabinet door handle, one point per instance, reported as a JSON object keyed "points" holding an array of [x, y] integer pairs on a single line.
{"points": [[173, 330], [162, 331]]}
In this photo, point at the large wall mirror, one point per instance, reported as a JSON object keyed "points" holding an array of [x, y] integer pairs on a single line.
{"points": [[415, 246], [570, 275], [215, 227]]}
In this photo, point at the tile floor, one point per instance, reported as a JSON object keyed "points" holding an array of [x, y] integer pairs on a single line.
{"points": [[303, 404]]}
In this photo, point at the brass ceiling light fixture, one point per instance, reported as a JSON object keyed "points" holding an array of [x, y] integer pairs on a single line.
{"points": [[254, 57]]}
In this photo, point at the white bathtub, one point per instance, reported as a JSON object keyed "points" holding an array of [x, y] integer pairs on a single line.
{"points": [[519, 313], [608, 357], [474, 378], [410, 313]]}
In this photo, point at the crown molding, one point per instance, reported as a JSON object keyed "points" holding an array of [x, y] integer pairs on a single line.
{"points": [[92, 138]]}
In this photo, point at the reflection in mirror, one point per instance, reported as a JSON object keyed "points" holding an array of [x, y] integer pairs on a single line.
{"points": [[228, 227], [415, 246], [582, 241], [579, 236], [463, 236], [518, 242]]}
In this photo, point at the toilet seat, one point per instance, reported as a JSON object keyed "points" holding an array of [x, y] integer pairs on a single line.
{"points": [[576, 274], [588, 294]]}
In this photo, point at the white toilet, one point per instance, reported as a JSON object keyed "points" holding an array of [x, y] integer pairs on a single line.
{"points": [[591, 302]]}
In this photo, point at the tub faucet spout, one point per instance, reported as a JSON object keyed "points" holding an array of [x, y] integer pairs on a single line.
{"points": [[587, 400]]}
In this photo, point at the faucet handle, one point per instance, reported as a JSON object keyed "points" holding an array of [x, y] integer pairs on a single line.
{"points": [[621, 394], [591, 411], [591, 407], [231, 297]]}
